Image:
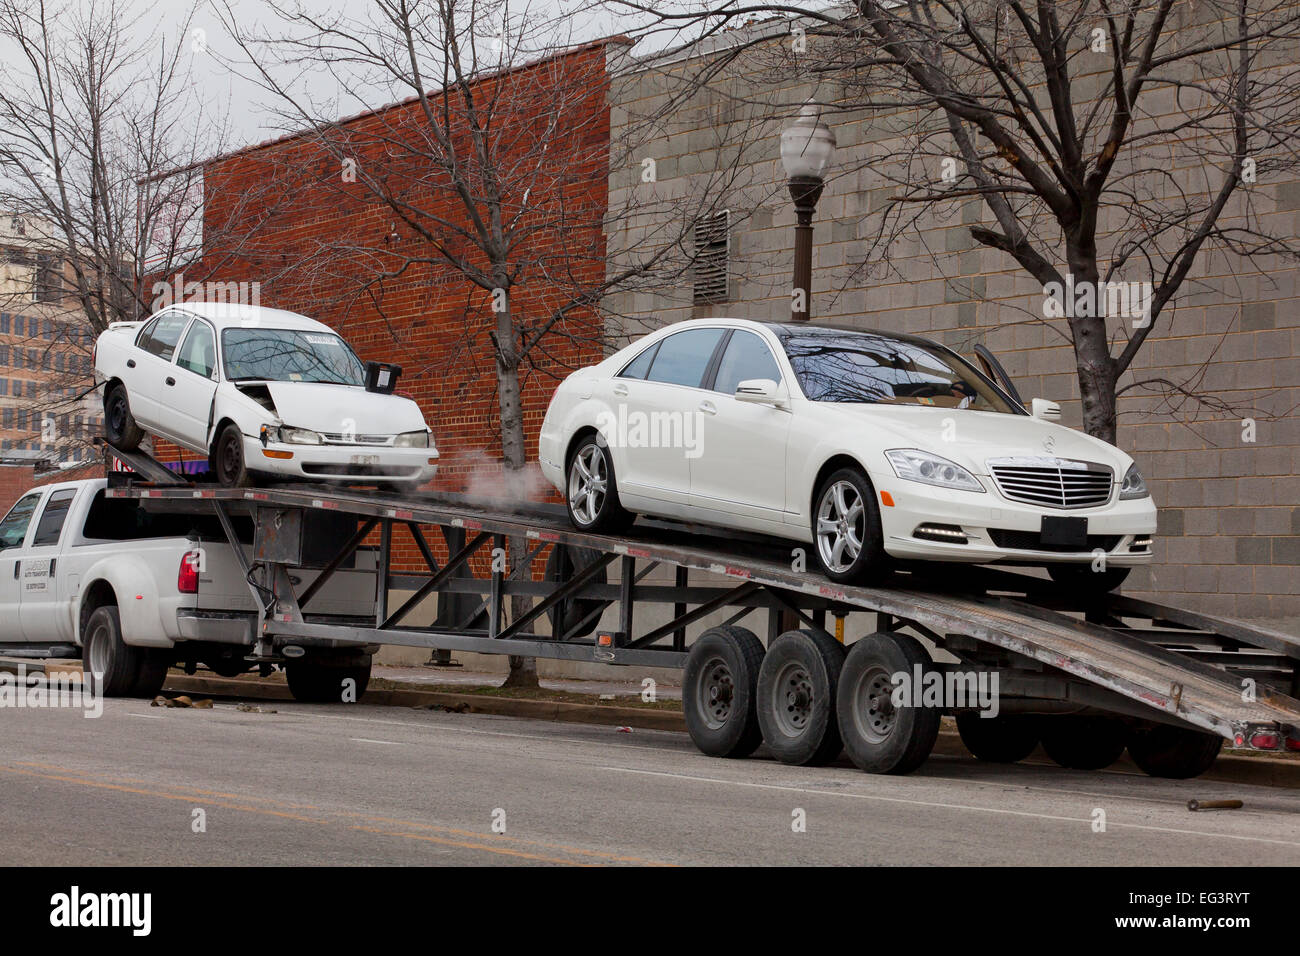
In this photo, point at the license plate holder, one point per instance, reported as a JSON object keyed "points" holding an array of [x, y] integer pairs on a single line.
{"points": [[364, 460], [1064, 532]]}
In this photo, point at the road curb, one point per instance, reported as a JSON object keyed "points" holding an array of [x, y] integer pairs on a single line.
{"points": [[464, 703], [1260, 771]]}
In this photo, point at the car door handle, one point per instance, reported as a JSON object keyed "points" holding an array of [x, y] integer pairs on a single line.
{"points": [[620, 389], [130, 363], [708, 408], [170, 380], [17, 565]]}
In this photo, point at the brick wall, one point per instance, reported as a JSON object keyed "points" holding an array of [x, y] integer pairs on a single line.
{"points": [[317, 242], [1229, 494]]}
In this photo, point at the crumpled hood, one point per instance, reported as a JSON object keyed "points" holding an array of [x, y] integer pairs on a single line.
{"points": [[971, 438], [332, 408]]}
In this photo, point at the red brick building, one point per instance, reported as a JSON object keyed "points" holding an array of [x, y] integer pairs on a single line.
{"points": [[320, 241]]}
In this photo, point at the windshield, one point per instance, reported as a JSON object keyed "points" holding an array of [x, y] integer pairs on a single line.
{"points": [[868, 368], [288, 355]]}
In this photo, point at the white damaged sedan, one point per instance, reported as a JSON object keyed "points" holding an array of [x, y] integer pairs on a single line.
{"points": [[870, 446], [260, 392]]}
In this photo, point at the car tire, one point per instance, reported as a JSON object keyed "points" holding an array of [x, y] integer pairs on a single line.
{"points": [[1007, 738], [321, 681], [848, 490], [228, 458], [563, 563], [120, 427], [1175, 753], [117, 664], [720, 692], [879, 737], [1084, 743], [797, 684], [1082, 579], [591, 489]]}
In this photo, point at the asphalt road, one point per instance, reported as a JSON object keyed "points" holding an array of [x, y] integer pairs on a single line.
{"points": [[368, 785]]}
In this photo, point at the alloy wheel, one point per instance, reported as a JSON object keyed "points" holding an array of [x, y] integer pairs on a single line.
{"points": [[588, 482], [841, 526]]}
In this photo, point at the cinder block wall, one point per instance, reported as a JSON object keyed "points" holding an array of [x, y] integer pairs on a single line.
{"points": [[1226, 481]]}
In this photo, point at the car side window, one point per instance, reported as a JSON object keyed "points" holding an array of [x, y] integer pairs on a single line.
{"points": [[683, 357], [13, 529], [199, 353], [143, 336], [745, 357], [50, 526], [641, 364], [161, 338]]}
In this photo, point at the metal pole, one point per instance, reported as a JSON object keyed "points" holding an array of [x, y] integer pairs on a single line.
{"points": [[805, 191]]}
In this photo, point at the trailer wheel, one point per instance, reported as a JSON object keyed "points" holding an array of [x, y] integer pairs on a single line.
{"points": [[591, 493], [104, 653], [120, 426], [564, 562], [796, 698], [1174, 752], [880, 737], [1007, 738], [321, 681], [719, 692], [1084, 743]]}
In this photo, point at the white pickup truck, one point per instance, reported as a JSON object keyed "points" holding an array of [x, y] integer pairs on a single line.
{"points": [[141, 590]]}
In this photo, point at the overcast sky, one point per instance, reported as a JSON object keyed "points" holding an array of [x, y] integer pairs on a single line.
{"points": [[250, 110]]}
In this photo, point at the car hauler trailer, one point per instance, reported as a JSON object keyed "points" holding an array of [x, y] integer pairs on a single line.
{"points": [[1085, 676]]}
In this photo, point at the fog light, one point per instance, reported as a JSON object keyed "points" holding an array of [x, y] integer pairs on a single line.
{"points": [[940, 532]]}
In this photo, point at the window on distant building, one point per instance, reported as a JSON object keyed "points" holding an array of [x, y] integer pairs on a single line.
{"points": [[20, 322], [5, 323], [712, 237], [48, 285]]}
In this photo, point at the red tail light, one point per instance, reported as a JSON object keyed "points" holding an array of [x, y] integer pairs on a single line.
{"points": [[187, 577], [1265, 740]]}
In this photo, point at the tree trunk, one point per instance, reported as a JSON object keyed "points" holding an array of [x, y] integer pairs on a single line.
{"points": [[523, 670], [1094, 364]]}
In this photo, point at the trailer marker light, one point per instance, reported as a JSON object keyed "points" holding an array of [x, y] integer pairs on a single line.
{"points": [[1265, 740], [1292, 743], [604, 640]]}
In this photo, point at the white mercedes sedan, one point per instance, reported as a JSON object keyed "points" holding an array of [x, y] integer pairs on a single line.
{"points": [[872, 447], [260, 392]]}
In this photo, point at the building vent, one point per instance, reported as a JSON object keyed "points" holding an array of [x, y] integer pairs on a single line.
{"points": [[712, 246]]}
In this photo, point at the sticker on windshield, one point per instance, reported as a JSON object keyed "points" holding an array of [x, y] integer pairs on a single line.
{"points": [[319, 339]]}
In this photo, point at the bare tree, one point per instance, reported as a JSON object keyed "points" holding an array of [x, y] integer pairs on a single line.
{"points": [[101, 132], [1115, 147], [491, 170]]}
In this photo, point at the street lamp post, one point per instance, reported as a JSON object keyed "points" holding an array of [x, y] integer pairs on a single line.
{"points": [[807, 146]]}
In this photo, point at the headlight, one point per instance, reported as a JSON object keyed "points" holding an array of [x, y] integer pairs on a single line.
{"points": [[298, 436], [913, 464], [412, 440], [1133, 486]]}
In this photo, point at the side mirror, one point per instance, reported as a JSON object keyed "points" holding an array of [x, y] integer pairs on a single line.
{"points": [[1044, 410], [761, 391]]}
